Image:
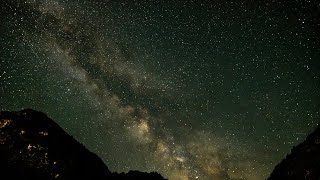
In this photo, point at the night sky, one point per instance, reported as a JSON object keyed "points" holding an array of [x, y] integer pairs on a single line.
{"points": [[190, 89]]}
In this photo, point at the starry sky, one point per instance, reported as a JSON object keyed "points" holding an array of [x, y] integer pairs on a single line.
{"points": [[190, 89]]}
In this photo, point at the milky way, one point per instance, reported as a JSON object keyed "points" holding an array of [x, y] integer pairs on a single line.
{"points": [[191, 90]]}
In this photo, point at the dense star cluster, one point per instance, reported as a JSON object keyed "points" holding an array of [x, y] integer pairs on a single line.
{"points": [[192, 90]]}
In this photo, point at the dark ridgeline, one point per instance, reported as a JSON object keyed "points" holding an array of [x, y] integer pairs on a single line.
{"points": [[32, 146], [302, 163]]}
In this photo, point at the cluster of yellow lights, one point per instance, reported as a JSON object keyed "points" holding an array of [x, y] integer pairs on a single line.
{"points": [[43, 133], [4, 122], [29, 146]]}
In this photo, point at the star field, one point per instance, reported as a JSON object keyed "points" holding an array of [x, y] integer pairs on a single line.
{"points": [[192, 90]]}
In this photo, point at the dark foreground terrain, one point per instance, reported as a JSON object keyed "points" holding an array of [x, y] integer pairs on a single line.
{"points": [[302, 163], [32, 146]]}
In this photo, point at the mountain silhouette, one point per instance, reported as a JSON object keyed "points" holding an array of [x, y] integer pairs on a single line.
{"points": [[32, 146], [303, 163]]}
